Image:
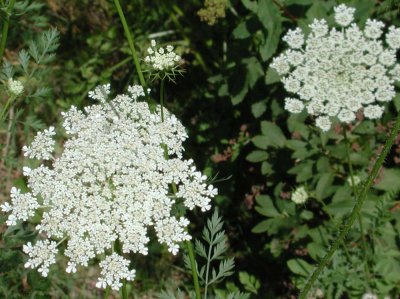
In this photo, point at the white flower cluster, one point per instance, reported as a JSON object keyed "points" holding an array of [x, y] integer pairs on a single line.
{"points": [[299, 195], [372, 296], [112, 182], [41, 256], [336, 73], [22, 206], [15, 87], [161, 59], [113, 269], [356, 179], [42, 147]]}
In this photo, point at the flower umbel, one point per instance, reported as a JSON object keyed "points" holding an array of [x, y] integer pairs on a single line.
{"points": [[15, 87], [163, 62], [111, 183], [300, 195], [336, 73]]}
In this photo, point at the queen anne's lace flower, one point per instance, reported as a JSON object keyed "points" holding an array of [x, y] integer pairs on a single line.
{"points": [[299, 195], [344, 15], [336, 73], [114, 269], [42, 147], [41, 255], [161, 59], [15, 87], [111, 183], [356, 179], [369, 296], [23, 206]]}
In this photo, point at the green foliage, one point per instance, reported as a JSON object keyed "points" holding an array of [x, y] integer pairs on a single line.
{"points": [[250, 282], [213, 251], [231, 101]]}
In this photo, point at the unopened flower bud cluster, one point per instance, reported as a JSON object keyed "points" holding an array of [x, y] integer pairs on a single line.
{"points": [[112, 182], [15, 87], [338, 72], [299, 195]]}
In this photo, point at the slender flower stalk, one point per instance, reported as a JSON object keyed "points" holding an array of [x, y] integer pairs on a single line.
{"points": [[5, 26], [189, 245], [326, 209], [107, 293], [355, 192], [356, 209], [194, 269], [131, 43]]}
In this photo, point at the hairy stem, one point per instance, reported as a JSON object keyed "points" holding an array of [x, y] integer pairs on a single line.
{"points": [[130, 39], [5, 108], [355, 192], [174, 190], [332, 219], [356, 209], [4, 30]]}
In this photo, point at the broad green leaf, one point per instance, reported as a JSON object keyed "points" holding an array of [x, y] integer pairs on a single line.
{"points": [[250, 282], [266, 168], [254, 70], [274, 133], [316, 250], [257, 156], [261, 141], [266, 207], [300, 267], [258, 108], [390, 180], [297, 2], [323, 189], [303, 171], [250, 5], [241, 31], [271, 76], [306, 215]]}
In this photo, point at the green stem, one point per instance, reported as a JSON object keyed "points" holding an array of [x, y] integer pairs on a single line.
{"points": [[124, 290], [194, 269], [117, 246], [5, 25], [162, 96], [207, 270], [357, 207], [107, 293], [5, 108], [174, 190], [332, 219], [355, 192], [130, 39]]}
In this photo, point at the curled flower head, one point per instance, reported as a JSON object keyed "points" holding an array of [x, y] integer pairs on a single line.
{"points": [[111, 183], [336, 73], [299, 195], [163, 62], [15, 87]]}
